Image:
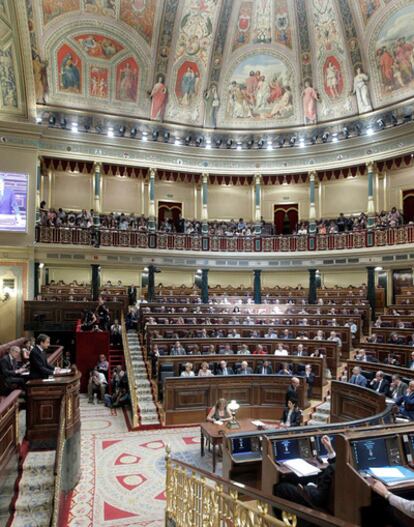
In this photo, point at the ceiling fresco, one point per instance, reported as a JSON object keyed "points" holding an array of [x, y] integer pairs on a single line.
{"points": [[230, 64]]}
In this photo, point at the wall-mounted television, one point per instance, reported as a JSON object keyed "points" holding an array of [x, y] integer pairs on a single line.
{"points": [[13, 202]]}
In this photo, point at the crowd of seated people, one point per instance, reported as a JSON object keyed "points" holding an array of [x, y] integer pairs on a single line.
{"points": [[393, 338], [229, 228], [98, 320], [113, 394]]}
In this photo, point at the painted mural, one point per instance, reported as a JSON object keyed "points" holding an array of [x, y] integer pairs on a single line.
{"points": [[69, 70], [282, 26], [54, 8], [260, 88], [8, 83], [187, 86], [394, 51], [139, 14], [127, 80], [100, 7], [333, 77], [244, 22], [98, 82], [262, 30], [369, 8], [99, 46]]}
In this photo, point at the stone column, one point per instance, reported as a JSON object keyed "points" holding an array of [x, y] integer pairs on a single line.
{"points": [[151, 200], [371, 290], [204, 209], [312, 209], [151, 283], [257, 286], [258, 204], [371, 205], [38, 185], [96, 281], [204, 286], [36, 286], [97, 193], [312, 298]]}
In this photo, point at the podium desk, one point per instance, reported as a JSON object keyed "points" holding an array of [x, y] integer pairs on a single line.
{"points": [[44, 404]]}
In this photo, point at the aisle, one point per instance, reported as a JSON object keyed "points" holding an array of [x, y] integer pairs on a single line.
{"points": [[122, 482]]}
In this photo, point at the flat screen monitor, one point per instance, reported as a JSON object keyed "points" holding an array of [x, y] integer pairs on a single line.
{"points": [[241, 445], [285, 449], [370, 452], [13, 202]]}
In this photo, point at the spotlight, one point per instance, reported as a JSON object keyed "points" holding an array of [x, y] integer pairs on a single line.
{"points": [[41, 265], [199, 140], [208, 143], [121, 131], [187, 139], [218, 142], [63, 123], [250, 143], [334, 138], [110, 131], [408, 115], [177, 141], [134, 131], [239, 146], [358, 129], [394, 119], [38, 119], [87, 126], [370, 131], [380, 124], [98, 129], [314, 138], [155, 135], [345, 132], [229, 143], [301, 142], [260, 143], [52, 120], [281, 142], [325, 137], [74, 127], [166, 137], [269, 144], [292, 140]]}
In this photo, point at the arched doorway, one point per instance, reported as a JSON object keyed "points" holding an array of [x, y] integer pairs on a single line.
{"points": [[408, 205], [169, 210], [286, 218]]}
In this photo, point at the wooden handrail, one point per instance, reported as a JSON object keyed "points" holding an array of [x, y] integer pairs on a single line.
{"points": [[9, 400], [131, 377], [318, 518], [60, 448]]}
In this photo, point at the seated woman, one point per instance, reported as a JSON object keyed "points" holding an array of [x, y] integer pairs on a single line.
{"points": [[292, 416], [188, 371], [205, 371], [219, 413]]}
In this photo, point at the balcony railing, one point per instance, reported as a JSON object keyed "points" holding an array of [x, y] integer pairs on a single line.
{"points": [[246, 244]]}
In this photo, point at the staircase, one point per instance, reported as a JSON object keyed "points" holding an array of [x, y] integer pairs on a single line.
{"points": [[34, 504], [321, 414], [148, 412]]}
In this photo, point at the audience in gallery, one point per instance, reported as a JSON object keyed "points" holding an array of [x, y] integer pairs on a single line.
{"points": [[123, 221]]}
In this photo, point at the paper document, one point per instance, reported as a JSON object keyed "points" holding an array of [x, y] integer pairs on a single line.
{"points": [[64, 370], [258, 423], [386, 472], [301, 467]]}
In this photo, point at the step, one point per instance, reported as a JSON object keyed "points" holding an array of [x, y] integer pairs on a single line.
{"points": [[39, 519], [320, 418], [324, 408]]}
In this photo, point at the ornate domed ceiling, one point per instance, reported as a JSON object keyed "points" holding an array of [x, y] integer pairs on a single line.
{"points": [[230, 64]]}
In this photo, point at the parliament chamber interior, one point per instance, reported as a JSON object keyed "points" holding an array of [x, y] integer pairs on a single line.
{"points": [[206, 263]]}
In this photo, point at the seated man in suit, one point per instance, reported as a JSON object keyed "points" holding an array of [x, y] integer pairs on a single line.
{"points": [[397, 387], [264, 369], [396, 339], [244, 369], [291, 416], [411, 361], [292, 391], [300, 351], [316, 495], [406, 403], [379, 384], [39, 367], [223, 369], [363, 357], [177, 349], [357, 377], [11, 372]]}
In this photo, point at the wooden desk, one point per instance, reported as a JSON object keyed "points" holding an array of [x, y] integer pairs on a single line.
{"points": [[215, 434], [44, 405], [350, 402], [187, 400]]}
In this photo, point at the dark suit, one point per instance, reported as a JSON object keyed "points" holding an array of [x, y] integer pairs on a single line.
{"points": [[247, 371], [132, 295], [295, 417], [310, 381], [382, 386], [406, 405], [268, 370], [359, 380], [221, 372], [39, 367], [291, 394], [398, 392], [10, 379]]}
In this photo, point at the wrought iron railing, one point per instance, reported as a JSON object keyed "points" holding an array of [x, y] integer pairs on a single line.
{"points": [[250, 244], [131, 377], [196, 498]]}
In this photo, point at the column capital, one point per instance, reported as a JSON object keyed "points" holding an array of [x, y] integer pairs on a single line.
{"points": [[97, 166], [204, 177], [258, 179], [152, 172], [312, 175], [370, 166]]}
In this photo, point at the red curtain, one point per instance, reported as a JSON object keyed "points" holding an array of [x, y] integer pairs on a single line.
{"points": [[169, 210], [286, 218], [408, 205]]}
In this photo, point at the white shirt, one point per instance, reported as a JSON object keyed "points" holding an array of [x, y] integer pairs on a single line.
{"points": [[281, 352]]}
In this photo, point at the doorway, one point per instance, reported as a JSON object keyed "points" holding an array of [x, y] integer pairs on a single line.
{"points": [[170, 211], [408, 205], [286, 218]]}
